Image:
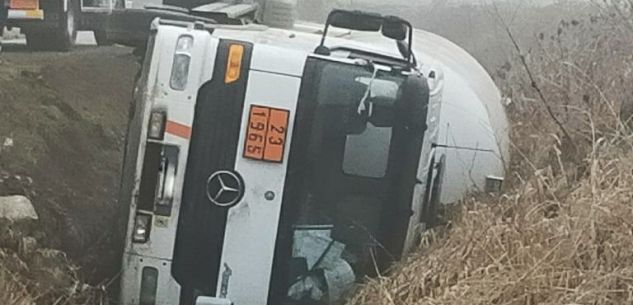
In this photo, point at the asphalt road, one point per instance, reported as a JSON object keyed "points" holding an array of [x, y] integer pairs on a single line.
{"points": [[19, 43]]}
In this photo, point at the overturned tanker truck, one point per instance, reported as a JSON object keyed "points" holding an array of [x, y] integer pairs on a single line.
{"points": [[273, 166]]}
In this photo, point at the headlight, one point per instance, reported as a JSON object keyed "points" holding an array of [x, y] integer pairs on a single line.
{"points": [[142, 225], [182, 59], [184, 44], [180, 72], [157, 125], [149, 285]]}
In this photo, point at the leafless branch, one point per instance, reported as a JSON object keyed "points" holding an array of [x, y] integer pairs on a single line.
{"points": [[533, 82]]}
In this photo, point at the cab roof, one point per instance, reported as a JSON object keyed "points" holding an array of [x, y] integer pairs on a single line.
{"points": [[306, 37]]}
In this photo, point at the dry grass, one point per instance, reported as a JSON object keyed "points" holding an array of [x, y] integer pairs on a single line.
{"points": [[11, 291], [22, 288], [563, 232], [546, 243]]}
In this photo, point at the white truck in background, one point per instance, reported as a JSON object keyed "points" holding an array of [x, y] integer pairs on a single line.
{"points": [[129, 23], [53, 24]]}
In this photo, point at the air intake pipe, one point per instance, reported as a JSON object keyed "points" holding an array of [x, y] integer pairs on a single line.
{"points": [[279, 13]]}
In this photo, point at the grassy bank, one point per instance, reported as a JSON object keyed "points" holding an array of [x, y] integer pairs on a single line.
{"points": [[562, 232]]}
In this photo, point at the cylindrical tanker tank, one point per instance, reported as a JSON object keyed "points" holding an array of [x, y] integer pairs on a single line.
{"points": [[474, 128]]}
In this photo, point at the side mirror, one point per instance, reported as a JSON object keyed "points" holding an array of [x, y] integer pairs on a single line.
{"points": [[399, 29], [212, 301], [356, 124], [404, 48], [383, 114], [391, 27], [413, 104], [395, 28], [355, 20]]}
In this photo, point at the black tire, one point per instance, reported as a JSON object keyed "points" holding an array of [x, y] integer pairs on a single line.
{"points": [[102, 38], [3, 17], [119, 4], [434, 207], [61, 38], [67, 30], [37, 41]]}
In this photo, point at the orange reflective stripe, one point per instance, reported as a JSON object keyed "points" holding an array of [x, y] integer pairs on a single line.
{"points": [[178, 129]]}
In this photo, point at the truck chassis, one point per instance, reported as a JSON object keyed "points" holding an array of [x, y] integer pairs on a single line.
{"points": [[53, 25]]}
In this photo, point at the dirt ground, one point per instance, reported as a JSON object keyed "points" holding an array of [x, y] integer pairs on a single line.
{"points": [[62, 127]]}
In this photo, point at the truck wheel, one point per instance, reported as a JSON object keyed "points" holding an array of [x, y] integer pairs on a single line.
{"points": [[102, 38], [66, 32], [61, 38]]}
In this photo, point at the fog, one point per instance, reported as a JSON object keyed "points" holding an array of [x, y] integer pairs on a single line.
{"points": [[476, 25]]}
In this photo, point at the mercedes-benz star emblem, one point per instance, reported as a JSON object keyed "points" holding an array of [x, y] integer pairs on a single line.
{"points": [[225, 188]]}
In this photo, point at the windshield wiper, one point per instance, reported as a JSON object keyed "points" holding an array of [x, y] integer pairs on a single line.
{"points": [[362, 106]]}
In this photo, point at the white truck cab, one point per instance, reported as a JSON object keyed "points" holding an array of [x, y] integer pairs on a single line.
{"points": [[273, 166]]}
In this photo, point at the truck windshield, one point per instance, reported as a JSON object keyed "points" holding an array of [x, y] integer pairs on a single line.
{"points": [[366, 154], [348, 180]]}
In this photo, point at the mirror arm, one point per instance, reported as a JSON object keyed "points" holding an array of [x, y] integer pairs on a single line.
{"points": [[414, 60], [325, 30], [410, 43], [321, 49]]}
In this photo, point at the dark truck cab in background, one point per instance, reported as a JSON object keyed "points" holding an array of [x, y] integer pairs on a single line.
{"points": [[53, 24]]}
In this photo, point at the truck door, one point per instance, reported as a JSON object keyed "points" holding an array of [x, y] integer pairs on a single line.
{"points": [[141, 3], [97, 6], [94, 14]]}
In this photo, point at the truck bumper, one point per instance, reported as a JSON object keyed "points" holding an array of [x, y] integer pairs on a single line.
{"points": [[147, 277], [32, 19], [27, 14], [15, 14]]}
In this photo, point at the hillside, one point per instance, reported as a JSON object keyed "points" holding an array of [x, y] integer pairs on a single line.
{"points": [[62, 128]]}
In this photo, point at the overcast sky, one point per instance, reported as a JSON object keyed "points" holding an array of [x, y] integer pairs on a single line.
{"points": [[414, 2]]}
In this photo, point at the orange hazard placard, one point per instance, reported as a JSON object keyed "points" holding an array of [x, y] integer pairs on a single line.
{"points": [[266, 134]]}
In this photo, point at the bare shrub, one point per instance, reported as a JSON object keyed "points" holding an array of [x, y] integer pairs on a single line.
{"points": [[11, 291], [39, 281], [546, 243], [583, 71]]}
